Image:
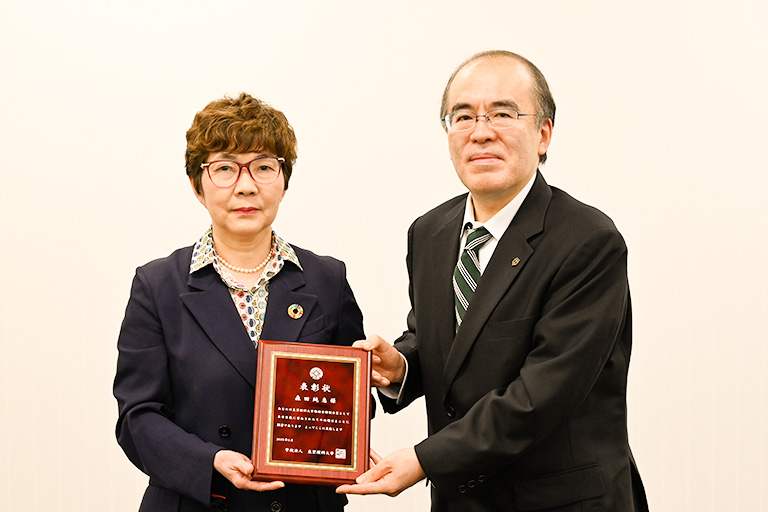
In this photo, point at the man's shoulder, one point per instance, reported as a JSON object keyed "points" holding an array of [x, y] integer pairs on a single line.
{"points": [[568, 211], [570, 224], [439, 213]]}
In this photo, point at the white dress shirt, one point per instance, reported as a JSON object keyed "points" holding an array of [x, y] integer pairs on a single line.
{"points": [[496, 225]]}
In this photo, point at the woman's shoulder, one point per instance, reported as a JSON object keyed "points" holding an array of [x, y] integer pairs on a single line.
{"points": [[326, 275], [178, 261], [320, 268], [164, 278], [312, 259]]}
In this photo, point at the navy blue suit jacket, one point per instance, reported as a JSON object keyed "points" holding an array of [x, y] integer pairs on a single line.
{"points": [[527, 401], [186, 372]]}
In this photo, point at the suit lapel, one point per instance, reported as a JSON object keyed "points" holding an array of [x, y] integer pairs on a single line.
{"points": [[211, 304], [508, 260], [278, 324], [506, 263], [442, 259]]}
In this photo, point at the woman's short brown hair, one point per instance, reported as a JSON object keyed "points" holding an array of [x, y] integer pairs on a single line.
{"points": [[238, 125]]}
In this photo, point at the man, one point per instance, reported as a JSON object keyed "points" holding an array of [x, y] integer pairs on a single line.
{"points": [[519, 334]]}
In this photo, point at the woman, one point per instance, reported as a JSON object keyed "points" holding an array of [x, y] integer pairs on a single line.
{"points": [[188, 344]]}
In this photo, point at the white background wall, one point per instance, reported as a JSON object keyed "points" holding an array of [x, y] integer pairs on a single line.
{"points": [[661, 124]]}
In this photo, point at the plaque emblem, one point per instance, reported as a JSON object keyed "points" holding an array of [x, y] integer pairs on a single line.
{"points": [[316, 373]]}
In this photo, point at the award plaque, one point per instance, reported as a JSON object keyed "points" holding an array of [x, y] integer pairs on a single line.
{"points": [[312, 413]]}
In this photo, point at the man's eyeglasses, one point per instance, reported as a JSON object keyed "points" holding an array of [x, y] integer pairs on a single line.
{"points": [[263, 170], [499, 118]]}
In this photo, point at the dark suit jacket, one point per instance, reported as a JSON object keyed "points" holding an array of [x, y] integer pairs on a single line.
{"points": [[186, 372], [527, 402]]}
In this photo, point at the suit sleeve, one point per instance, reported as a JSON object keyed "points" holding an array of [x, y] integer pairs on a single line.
{"points": [[407, 345], [350, 327], [582, 318], [172, 457]]}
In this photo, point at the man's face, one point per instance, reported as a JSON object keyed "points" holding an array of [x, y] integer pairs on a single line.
{"points": [[495, 164]]}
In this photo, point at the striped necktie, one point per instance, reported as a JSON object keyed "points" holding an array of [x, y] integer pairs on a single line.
{"points": [[467, 272]]}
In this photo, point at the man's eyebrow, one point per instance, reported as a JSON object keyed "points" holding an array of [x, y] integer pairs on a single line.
{"points": [[461, 106], [496, 104], [505, 104]]}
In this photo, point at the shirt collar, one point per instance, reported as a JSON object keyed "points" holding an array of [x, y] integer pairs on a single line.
{"points": [[204, 253], [499, 223]]}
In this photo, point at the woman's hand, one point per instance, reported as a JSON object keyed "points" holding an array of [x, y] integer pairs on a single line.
{"points": [[237, 468], [388, 363]]}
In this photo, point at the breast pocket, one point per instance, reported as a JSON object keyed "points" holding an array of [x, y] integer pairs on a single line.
{"points": [[522, 328], [498, 354], [316, 331]]}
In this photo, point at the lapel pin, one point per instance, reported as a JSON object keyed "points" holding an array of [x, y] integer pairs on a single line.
{"points": [[515, 262], [295, 311]]}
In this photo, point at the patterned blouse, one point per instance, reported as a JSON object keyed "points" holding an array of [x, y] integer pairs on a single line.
{"points": [[250, 303]]}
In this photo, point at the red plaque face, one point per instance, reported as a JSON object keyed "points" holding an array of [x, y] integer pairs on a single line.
{"points": [[312, 413]]}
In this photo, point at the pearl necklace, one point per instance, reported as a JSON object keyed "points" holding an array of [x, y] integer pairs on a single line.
{"points": [[244, 270]]}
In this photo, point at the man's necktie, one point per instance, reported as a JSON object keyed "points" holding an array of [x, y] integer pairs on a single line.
{"points": [[467, 275]]}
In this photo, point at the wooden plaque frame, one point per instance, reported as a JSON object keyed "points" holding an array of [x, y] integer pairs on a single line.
{"points": [[312, 417]]}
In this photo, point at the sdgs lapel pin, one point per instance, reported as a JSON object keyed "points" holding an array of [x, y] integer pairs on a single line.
{"points": [[295, 311]]}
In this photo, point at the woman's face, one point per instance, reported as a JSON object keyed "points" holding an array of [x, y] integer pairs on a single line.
{"points": [[246, 209]]}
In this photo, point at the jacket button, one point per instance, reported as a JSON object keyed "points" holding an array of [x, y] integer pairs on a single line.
{"points": [[222, 507], [482, 478], [462, 489], [275, 506], [450, 411], [224, 431], [471, 484]]}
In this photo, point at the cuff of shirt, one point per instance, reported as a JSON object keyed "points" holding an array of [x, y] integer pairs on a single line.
{"points": [[395, 390]]}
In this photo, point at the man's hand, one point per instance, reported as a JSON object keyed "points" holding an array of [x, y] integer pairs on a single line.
{"points": [[390, 475], [388, 363], [237, 468]]}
